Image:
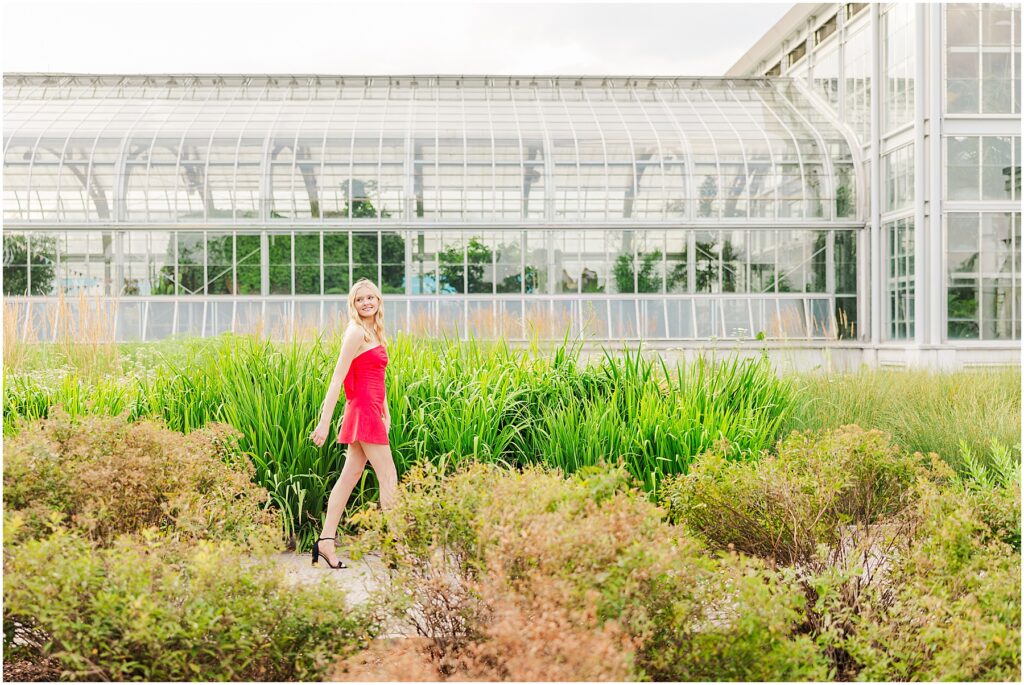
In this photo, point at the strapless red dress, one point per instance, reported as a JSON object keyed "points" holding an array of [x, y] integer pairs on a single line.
{"points": [[364, 399]]}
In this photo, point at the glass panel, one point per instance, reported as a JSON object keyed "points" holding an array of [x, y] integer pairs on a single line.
{"points": [[191, 262], [676, 264], [307, 263], [708, 264], [220, 258], [680, 318], [365, 256], [392, 246], [218, 317], [708, 317], [190, 318], [508, 257], [736, 318], [423, 269], [451, 260], [996, 169], [247, 259], [159, 320], [483, 319], [280, 257], [336, 263], [790, 321], [594, 314], [480, 264], [652, 318], [821, 319], [624, 318]]}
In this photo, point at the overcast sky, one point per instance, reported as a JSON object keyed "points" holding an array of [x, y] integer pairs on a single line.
{"points": [[382, 38]]}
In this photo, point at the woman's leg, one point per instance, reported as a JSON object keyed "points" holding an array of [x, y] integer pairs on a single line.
{"points": [[355, 462], [384, 466]]}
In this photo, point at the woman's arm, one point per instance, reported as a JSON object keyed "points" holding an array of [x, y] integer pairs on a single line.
{"points": [[350, 343]]}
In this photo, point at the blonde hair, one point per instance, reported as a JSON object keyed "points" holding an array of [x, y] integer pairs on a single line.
{"points": [[378, 319]]}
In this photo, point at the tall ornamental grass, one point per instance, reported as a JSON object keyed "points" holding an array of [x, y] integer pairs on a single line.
{"points": [[451, 402], [926, 411]]}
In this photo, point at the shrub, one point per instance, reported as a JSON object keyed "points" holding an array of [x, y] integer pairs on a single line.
{"points": [[149, 608], [587, 546], [782, 507], [523, 640], [107, 476], [956, 613], [993, 485]]}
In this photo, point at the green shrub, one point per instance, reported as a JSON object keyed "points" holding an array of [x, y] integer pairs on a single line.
{"points": [[955, 613], [107, 476], [783, 506], [148, 608], [589, 545]]}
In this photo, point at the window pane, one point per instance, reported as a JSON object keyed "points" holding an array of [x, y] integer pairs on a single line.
{"points": [[307, 263], [280, 256]]}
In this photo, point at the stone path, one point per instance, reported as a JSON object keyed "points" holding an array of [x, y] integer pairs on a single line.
{"points": [[356, 582]]}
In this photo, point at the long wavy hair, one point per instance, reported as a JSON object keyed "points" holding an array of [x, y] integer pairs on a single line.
{"points": [[378, 319]]}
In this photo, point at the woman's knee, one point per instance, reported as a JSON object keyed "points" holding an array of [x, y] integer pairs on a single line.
{"points": [[383, 465]]}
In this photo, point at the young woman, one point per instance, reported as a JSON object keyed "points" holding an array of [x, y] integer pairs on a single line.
{"points": [[367, 418]]}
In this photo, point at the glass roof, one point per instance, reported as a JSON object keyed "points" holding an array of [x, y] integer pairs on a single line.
{"points": [[262, 149]]}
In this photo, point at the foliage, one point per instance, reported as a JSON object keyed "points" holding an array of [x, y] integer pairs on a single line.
{"points": [[924, 411], [956, 611], [589, 546], [147, 608], [450, 401], [648, 276], [107, 476], [784, 506], [218, 252], [17, 260]]}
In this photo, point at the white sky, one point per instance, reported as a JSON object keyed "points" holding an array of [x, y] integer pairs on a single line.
{"points": [[382, 38]]}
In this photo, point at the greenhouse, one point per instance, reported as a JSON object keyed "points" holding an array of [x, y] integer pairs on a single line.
{"points": [[611, 208]]}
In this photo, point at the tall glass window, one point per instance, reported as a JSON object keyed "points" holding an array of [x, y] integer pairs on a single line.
{"points": [[857, 63], [982, 58], [899, 178], [825, 75], [900, 278], [898, 64], [983, 275]]}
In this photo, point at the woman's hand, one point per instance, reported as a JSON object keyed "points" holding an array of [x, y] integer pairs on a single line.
{"points": [[319, 434], [387, 423]]}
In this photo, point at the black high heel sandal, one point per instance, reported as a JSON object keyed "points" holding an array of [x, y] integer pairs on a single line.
{"points": [[317, 555]]}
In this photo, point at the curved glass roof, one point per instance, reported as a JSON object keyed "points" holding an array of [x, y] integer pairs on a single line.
{"points": [[180, 149]]}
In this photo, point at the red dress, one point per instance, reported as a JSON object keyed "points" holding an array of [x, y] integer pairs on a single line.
{"points": [[364, 399]]}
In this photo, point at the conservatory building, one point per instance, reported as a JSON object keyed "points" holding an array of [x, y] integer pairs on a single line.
{"points": [[931, 96], [746, 212]]}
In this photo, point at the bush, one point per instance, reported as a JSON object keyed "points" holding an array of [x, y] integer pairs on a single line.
{"points": [[587, 546], [956, 613], [107, 476], [148, 608], [522, 641], [782, 507]]}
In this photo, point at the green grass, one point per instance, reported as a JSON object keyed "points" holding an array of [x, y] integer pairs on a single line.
{"points": [[925, 411], [457, 401], [451, 402]]}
